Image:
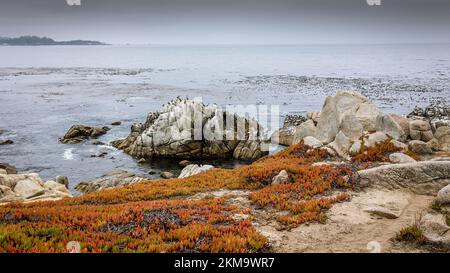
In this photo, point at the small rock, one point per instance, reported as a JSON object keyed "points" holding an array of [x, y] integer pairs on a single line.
{"points": [[381, 211], [116, 123], [151, 172], [6, 142], [142, 161], [281, 178], [435, 230], [434, 144], [419, 125], [355, 148], [194, 169], [52, 185], [399, 145], [184, 163], [443, 196], [419, 147], [373, 139], [166, 175], [63, 180], [312, 142], [400, 158], [97, 142]]}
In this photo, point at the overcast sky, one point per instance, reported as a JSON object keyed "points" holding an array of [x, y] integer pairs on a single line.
{"points": [[229, 21]]}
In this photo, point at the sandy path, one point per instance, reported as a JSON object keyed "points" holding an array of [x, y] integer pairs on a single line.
{"points": [[348, 228]]}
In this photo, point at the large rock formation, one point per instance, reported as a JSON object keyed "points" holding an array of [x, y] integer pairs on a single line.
{"points": [[189, 129], [426, 177]]}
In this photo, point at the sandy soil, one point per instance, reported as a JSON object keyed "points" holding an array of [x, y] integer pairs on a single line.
{"points": [[349, 227]]}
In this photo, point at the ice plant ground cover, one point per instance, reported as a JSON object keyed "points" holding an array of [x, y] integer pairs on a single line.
{"points": [[156, 216]]}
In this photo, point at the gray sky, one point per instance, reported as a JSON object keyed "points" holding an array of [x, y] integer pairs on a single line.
{"points": [[229, 21]]}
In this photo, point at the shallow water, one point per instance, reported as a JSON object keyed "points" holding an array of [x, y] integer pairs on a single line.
{"points": [[44, 90]]}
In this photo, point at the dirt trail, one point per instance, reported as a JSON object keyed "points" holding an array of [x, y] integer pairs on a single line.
{"points": [[349, 228]]}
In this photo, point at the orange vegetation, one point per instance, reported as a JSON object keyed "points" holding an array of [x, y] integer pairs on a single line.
{"points": [[153, 216]]}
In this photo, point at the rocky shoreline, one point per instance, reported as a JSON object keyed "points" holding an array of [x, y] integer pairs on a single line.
{"points": [[379, 152]]}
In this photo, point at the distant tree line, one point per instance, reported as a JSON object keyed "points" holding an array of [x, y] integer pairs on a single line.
{"points": [[37, 41]]}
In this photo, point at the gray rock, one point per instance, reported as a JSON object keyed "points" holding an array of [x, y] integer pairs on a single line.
{"points": [[166, 175], [29, 187], [6, 142], [116, 123], [386, 124], [307, 128], [194, 169], [443, 137], [312, 142], [112, 179], [97, 142], [283, 136], [424, 177], [336, 108], [341, 145], [419, 147], [435, 230], [281, 178], [373, 139], [382, 212], [184, 163], [399, 145], [78, 133], [9, 168], [355, 148], [443, 196], [351, 127], [419, 125], [170, 133], [400, 158], [63, 180]]}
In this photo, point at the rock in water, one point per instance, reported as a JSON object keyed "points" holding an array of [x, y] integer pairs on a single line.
{"points": [[78, 133], [190, 129], [194, 169], [63, 180], [424, 177], [166, 175], [6, 142]]}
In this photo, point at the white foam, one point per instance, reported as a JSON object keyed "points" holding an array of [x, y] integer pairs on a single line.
{"points": [[68, 154]]}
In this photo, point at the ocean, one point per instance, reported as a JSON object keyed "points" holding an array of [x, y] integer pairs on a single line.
{"points": [[46, 89]]}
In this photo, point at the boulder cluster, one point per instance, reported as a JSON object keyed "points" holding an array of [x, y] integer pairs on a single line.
{"points": [[348, 121], [30, 187], [190, 129]]}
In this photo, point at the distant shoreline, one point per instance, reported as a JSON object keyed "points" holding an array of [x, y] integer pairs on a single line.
{"points": [[44, 41]]}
